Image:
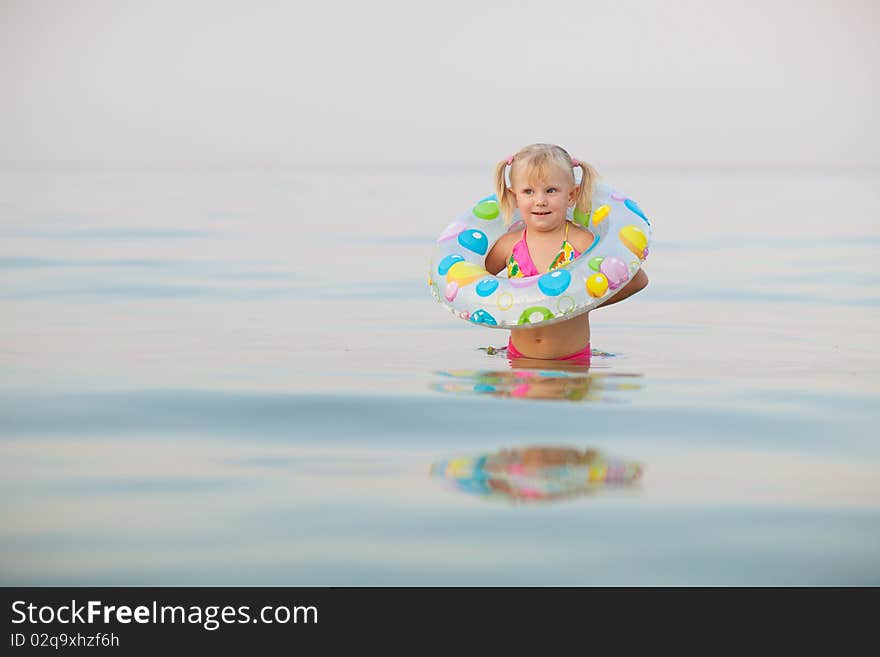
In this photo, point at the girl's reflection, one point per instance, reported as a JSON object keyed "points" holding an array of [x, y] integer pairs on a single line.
{"points": [[531, 474], [543, 383]]}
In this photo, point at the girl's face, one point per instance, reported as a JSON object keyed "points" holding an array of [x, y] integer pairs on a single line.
{"points": [[543, 202]]}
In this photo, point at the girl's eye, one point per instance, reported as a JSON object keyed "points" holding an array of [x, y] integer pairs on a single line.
{"points": [[527, 191], [551, 190]]}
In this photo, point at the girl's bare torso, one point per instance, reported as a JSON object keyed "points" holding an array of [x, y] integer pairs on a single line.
{"points": [[555, 340]]}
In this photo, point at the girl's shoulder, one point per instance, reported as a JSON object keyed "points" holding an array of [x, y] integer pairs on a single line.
{"points": [[512, 237], [507, 241], [579, 237]]}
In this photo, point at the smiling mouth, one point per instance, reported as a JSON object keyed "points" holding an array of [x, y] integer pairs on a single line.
{"points": [[541, 213]]}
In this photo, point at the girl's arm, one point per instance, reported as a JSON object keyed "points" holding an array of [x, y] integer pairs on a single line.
{"points": [[497, 258], [639, 282]]}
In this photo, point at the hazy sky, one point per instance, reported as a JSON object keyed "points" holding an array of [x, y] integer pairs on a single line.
{"points": [[625, 82]]}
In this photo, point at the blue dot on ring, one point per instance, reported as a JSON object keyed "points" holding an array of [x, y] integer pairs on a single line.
{"points": [[632, 205], [482, 317], [474, 240], [555, 283], [447, 262], [486, 287]]}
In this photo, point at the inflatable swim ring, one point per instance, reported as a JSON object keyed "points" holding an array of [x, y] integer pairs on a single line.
{"points": [[458, 278]]}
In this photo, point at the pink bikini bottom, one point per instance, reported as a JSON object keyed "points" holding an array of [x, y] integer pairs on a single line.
{"points": [[582, 356]]}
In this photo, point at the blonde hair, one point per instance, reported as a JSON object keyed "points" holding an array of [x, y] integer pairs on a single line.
{"points": [[535, 161]]}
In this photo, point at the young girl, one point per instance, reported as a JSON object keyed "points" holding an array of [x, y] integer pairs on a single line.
{"points": [[543, 188]]}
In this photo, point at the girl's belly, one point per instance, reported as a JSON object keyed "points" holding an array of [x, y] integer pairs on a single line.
{"points": [[554, 341]]}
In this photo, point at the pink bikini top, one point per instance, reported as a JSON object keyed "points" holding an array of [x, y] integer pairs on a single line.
{"points": [[520, 263]]}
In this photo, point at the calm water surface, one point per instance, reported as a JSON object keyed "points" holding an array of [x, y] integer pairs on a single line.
{"points": [[240, 377]]}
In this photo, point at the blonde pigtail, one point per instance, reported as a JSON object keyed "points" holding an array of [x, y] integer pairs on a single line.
{"points": [[584, 200], [505, 197]]}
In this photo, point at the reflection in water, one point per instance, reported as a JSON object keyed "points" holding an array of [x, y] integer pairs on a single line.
{"points": [[571, 385], [536, 474]]}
